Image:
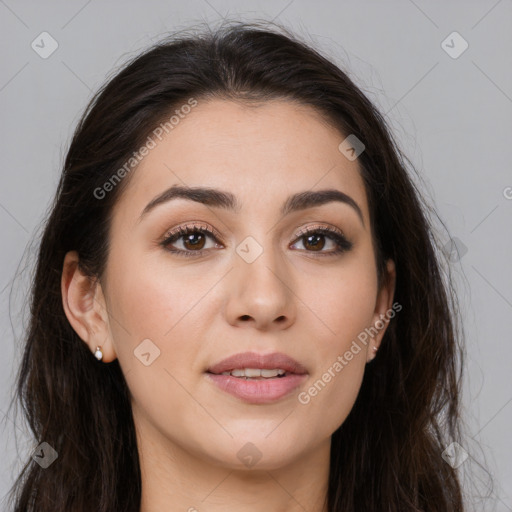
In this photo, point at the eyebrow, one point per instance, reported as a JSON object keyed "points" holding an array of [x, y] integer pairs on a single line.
{"points": [[226, 200]]}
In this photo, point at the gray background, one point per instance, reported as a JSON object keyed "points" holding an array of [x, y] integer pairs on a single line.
{"points": [[452, 116]]}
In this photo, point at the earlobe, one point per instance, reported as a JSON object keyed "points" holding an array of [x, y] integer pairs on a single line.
{"points": [[81, 300]]}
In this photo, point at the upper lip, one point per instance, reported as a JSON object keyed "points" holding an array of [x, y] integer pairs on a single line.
{"points": [[255, 360]]}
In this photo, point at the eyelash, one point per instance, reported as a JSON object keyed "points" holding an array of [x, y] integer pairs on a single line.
{"points": [[343, 245]]}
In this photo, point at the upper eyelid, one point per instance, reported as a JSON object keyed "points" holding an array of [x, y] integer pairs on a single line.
{"points": [[192, 227], [325, 227], [212, 231]]}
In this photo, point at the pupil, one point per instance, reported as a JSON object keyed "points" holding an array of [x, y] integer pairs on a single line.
{"points": [[315, 237], [189, 239]]}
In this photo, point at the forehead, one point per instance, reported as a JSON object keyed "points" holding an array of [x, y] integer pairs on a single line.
{"points": [[261, 153]]}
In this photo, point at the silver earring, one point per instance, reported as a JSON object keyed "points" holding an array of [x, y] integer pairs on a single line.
{"points": [[98, 354], [375, 349]]}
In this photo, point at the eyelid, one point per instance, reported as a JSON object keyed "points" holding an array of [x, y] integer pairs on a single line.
{"points": [[330, 227], [201, 225], [193, 225], [343, 244]]}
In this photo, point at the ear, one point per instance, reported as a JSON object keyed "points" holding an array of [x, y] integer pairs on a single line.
{"points": [[85, 307], [381, 317]]}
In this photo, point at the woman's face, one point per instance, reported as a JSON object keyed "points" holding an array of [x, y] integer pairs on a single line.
{"points": [[258, 284]]}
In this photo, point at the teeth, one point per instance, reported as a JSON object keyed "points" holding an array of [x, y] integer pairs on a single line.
{"points": [[272, 373], [255, 373]]}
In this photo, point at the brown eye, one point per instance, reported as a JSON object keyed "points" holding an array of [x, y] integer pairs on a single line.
{"points": [[315, 240], [192, 238], [194, 241]]}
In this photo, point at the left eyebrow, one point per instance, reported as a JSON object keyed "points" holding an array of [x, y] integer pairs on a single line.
{"points": [[226, 200]]}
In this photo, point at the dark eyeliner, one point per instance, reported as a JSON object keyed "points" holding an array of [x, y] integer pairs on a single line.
{"points": [[343, 245]]}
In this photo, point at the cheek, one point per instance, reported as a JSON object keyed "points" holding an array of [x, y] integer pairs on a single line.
{"points": [[344, 309], [150, 296], [152, 303], [342, 301], [152, 300]]}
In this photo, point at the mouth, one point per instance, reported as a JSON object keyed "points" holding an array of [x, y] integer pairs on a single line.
{"points": [[251, 363], [256, 378], [256, 373]]}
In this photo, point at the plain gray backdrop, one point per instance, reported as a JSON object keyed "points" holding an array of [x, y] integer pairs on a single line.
{"points": [[450, 108]]}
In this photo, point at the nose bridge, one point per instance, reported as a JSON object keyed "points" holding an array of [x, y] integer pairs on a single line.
{"points": [[262, 291], [259, 258]]}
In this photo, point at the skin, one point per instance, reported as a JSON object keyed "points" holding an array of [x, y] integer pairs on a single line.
{"points": [[199, 310]]}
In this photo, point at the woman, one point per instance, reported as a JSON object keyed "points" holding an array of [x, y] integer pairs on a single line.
{"points": [[238, 303]]}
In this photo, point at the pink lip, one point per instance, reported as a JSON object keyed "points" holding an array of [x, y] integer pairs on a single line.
{"points": [[258, 391], [255, 360]]}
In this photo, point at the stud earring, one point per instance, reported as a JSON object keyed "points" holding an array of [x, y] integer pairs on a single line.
{"points": [[98, 354], [375, 349]]}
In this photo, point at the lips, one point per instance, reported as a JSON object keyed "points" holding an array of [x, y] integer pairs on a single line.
{"points": [[271, 361]]}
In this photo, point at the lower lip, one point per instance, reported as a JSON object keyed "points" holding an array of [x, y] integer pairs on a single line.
{"points": [[258, 391]]}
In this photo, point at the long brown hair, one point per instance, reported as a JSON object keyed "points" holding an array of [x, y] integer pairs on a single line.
{"points": [[387, 454]]}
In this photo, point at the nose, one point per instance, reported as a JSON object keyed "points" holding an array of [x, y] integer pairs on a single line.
{"points": [[260, 293]]}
